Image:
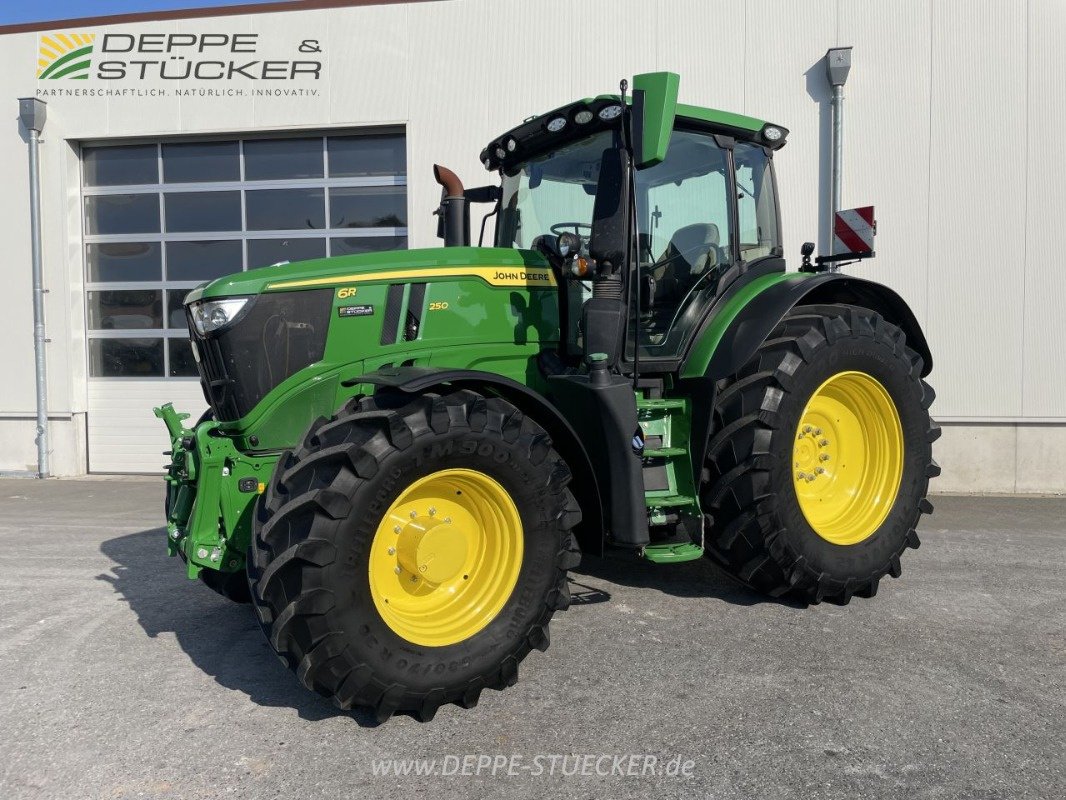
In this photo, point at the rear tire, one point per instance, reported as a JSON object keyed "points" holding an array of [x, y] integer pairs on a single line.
{"points": [[314, 568], [761, 534]]}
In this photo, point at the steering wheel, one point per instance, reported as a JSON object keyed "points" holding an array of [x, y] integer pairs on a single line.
{"points": [[559, 228]]}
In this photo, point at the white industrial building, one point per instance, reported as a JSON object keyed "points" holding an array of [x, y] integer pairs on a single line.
{"points": [[151, 183]]}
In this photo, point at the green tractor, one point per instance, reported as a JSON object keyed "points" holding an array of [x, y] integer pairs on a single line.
{"points": [[407, 451]]}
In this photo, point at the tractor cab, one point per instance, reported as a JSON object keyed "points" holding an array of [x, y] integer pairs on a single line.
{"points": [[662, 233]]}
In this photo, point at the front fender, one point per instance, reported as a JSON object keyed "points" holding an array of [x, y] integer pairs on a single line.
{"points": [[565, 439]]}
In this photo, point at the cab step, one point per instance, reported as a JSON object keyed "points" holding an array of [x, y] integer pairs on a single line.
{"points": [[672, 553], [664, 452], [669, 500], [659, 403]]}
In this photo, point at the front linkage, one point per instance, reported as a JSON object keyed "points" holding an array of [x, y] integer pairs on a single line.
{"points": [[211, 491]]}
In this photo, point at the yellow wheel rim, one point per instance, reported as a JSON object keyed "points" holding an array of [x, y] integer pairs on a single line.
{"points": [[446, 557], [848, 458]]}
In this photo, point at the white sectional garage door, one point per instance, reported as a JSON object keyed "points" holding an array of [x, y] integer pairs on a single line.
{"points": [[163, 217]]}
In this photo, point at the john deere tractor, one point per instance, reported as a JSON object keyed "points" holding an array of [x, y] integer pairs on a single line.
{"points": [[406, 451]]}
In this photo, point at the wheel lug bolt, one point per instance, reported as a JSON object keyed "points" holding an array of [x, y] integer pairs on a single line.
{"points": [[432, 511], [414, 515], [824, 443], [392, 551], [414, 579], [397, 570], [817, 431], [807, 429], [802, 476], [823, 457], [820, 470]]}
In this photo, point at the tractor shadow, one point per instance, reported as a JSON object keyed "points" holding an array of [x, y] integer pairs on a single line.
{"points": [[692, 579], [221, 638]]}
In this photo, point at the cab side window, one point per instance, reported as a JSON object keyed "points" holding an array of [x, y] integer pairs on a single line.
{"points": [[683, 215], [756, 204]]}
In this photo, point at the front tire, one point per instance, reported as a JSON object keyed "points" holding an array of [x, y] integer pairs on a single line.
{"points": [[832, 387], [413, 550]]}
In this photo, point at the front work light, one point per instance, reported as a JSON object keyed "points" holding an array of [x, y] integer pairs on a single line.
{"points": [[583, 116], [609, 112], [771, 133], [557, 124], [210, 315]]}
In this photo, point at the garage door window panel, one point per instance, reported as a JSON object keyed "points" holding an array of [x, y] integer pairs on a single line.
{"points": [[113, 214], [120, 166], [264, 252], [203, 260], [136, 309], [201, 162], [188, 212], [124, 262], [126, 358], [283, 159]]}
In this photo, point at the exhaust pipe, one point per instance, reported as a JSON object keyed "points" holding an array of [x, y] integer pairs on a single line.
{"points": [[453, 225]]}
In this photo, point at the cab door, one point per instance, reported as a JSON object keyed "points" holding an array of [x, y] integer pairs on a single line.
{"points": [[686, 225]]}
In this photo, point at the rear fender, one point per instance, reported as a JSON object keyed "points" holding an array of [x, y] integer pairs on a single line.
{"points": [[754, 322], [749, 328]]}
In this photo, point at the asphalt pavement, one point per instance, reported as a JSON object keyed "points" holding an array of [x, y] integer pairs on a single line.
{"points": [[120, 678]]}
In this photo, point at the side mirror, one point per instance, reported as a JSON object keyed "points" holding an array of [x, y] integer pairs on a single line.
{"points": [[607, 242]]}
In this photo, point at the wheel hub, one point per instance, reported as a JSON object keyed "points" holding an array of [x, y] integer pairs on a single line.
{"points": [[433, 549], [446, 557], [848, 458]]}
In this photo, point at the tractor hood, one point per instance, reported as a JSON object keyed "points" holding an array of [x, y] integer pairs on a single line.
{"points": [[522, 267]]}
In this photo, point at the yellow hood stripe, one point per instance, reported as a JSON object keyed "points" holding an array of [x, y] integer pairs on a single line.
{"points": [[533, 278]]}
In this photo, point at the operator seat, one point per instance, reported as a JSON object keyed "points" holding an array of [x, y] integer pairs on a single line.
{"points": [[692, 251]]}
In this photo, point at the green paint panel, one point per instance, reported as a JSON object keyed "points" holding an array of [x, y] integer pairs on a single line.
{"points": [[716, 117], [660, 104], [700, 357]]}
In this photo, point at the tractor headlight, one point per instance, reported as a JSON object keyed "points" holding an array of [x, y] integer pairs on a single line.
{"points": [[210, 315], [583, 117], [557, 124], [608, 113]]}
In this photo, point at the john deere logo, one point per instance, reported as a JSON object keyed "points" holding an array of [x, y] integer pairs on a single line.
{"points": [[65, 55]]}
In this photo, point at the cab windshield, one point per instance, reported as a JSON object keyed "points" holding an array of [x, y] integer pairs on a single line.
{"points": [[551, 193]]}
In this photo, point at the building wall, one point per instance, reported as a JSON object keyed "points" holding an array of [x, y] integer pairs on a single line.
{"points": [[953, 110]]}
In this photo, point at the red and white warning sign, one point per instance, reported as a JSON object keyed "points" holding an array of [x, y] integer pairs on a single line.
{"points": [[854, 230]]}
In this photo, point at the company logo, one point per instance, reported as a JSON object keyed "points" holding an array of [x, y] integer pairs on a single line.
{"points": [[65, 55]]}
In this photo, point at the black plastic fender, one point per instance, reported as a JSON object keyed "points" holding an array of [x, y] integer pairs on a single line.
{"points": [[565, 439]]}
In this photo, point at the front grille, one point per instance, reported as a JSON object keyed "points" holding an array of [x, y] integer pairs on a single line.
{"points": [[276, 337]]}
